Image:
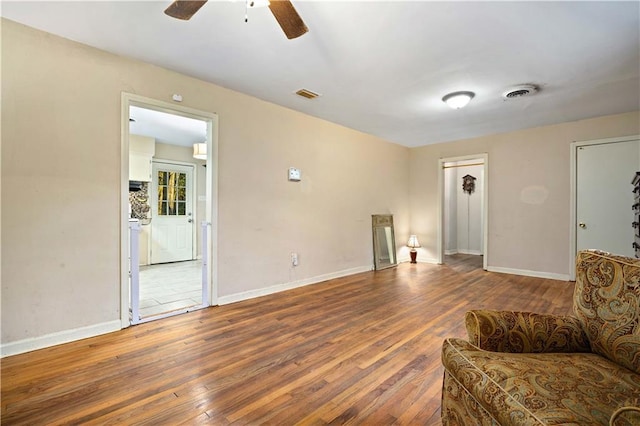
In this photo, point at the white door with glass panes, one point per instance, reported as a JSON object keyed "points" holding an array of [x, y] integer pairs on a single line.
{"points": [[172, 218]]}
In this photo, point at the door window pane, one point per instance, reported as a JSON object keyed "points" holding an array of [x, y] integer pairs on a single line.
{"points": [[172, 193]]}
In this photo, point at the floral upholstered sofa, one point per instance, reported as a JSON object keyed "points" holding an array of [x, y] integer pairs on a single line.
{"points": [[521, 368]]}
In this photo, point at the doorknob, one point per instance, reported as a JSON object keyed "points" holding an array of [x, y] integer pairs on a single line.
{"points": [[190, 220], [582, 225]]}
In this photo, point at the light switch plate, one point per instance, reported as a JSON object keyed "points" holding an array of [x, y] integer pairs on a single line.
{"points": [[294, 174]]}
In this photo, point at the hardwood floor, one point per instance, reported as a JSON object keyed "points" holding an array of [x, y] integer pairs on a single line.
{"points": [[364, 349]]}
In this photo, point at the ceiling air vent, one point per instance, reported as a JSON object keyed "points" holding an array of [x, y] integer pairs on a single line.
{"points": [[520, 91], [307, 94]]}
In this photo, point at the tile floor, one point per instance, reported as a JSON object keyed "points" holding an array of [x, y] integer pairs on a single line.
{"points": [[170, 286]]}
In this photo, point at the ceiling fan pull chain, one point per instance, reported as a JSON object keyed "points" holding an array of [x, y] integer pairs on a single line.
{"points": [[246, 11]]}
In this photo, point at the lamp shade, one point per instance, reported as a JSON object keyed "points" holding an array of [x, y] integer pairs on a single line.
{"points": [[200, 151], [457, 100], [413, 242]]}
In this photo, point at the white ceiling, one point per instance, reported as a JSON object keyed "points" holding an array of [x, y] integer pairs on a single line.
{"points": [[166, 128], [383, 67]]}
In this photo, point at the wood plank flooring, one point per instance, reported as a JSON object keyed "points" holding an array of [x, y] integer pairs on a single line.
{"points": [[364, 349]]}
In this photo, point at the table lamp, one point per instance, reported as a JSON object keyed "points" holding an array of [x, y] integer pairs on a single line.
{"points": [[413, 243]]}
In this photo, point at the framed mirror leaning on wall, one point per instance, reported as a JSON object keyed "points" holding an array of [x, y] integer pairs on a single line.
{"points": [[384, 241]]}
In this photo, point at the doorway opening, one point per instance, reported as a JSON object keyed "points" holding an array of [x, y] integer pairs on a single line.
{"points": [[463, 218], [169, 209]]}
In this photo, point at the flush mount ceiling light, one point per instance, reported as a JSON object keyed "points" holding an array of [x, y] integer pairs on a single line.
{"points": [[457, 100]]}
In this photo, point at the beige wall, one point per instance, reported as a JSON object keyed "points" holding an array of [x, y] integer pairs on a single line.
{"points": [[61, 185], [523, 235]]}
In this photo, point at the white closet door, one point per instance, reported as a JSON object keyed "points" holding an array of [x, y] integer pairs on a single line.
{"points": [[604, 196]]}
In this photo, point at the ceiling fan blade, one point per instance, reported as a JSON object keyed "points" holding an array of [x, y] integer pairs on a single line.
{"points": [[184, 9], [289, 20]]}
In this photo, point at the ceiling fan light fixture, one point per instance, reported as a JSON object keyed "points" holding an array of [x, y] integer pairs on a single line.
{"points": [[457, 100]]}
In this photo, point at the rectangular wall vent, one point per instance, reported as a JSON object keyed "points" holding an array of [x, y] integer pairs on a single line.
{"points": [[307, 94]]}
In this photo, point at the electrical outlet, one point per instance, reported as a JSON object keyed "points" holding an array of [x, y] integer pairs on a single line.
{"points": [[294, 259]]}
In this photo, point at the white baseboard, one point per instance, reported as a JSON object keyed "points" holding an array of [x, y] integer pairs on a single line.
{"points": [[427, 260], [460, 251], [420, 260], [246, 295], [66, 336], [527, 273], [474, 252]]}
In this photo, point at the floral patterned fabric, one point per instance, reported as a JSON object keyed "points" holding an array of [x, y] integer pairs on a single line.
{"points": [[460, 406], [506, 331], [607, 302], [532, 388], [521, 368]]}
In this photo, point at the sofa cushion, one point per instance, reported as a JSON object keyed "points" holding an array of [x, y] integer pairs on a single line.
{"points": [[607, 302], [541, 388]]}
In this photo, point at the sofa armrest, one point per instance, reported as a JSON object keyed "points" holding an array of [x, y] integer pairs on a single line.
{"points": [[525, 332], [625, 416]]}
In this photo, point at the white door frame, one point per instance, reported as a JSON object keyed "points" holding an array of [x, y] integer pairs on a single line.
{"points": [[211, 213], [485, 205], [573, 208], [194, 201]]}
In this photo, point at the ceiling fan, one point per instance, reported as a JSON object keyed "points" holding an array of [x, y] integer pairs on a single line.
{"points": [[284, 12]]}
